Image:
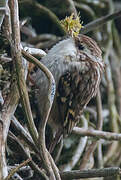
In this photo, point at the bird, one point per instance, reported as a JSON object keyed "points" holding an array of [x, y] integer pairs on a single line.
{"points": [[76, 64]]}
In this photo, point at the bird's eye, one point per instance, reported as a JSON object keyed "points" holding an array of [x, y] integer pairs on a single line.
{"points": [[81, 47]]}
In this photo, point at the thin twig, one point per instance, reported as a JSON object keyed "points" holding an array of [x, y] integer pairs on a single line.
{"points": [[41, 38], [27, 139], [3, 10], [51, 93], [53, 17], [79, 149], [8, 110], [14, 139], [25, 136], [55, 169], [97, 134], [35, 52], [13, 171], [99, 127], [116, 77], [115, 65], [92, 147], [99, 22], [87, 155], [40, 8], [99, 110], [88, 10], [99, 155], [110, 89], [71, 5]]}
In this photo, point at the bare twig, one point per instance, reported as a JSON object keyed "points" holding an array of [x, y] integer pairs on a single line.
{"points": [[7, 25], [99, 154], [89, 11], [98, 22], [87, 155], [53, 17], [5, 59], [1, 98], [79, 149], [13, 171], [3, 165], [116, 41], [99, 127], [16, 53], [51, 93], [97, 134], [25, 170], [47, 44], [40, 8], [116, 77], [7, 112], [110, 90], [99, 111], [115, 65], [35, 52], [28, 140], [92, 147], [13, 138], [42, 38], [3, 10], [59, 150], [113, 171], [25, 136], [54, 167], [71, 6], [8, 109]]}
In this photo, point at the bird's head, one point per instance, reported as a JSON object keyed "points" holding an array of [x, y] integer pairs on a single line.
{"points": [[88, 47]]}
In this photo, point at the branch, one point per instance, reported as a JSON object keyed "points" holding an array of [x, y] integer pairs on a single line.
{"points": [[8, 109], [42, 9], [97, 134], [26, 137], [23, 134], [110, 89], [99, 110], [13, 171], [43, 37], [99, 22], [35, 52], [71, 5], [79, 149], [7, 112], [53, 17], [13, 139], [3, 9], [99, 127], [83, 7], [41, 140], [16, 54], [92, 147], [91, 173]]}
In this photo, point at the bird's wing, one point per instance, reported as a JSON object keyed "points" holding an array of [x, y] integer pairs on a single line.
{"points": [[67, 100], [74, 92]]}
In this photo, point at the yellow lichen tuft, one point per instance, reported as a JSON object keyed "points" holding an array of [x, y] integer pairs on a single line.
{"points": [[72, 25]]}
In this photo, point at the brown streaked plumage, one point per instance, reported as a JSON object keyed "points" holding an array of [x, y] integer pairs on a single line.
{"points": [[76, 65]]}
